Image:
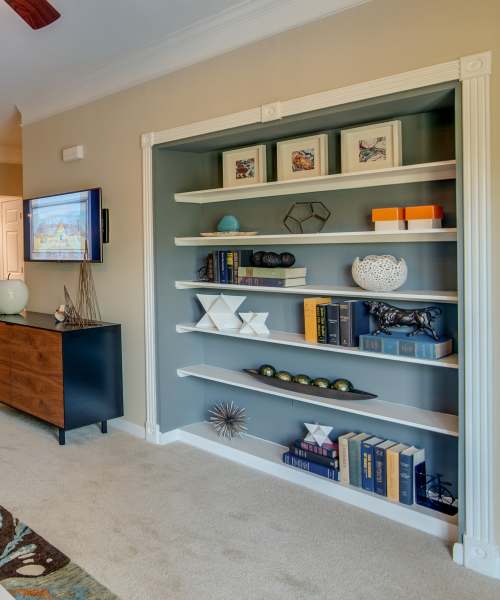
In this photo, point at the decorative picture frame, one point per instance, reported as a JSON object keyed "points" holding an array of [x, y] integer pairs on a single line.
{"points": [[371, 147], [244, 166], [302, 157]]}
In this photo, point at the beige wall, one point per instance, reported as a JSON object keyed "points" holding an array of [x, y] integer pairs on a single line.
{"points": [[374, 40], [11, 180]]}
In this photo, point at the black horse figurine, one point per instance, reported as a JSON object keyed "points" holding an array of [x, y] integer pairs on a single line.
{"points": [[420, 319]]}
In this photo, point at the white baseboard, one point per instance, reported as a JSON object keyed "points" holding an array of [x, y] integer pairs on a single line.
{"points": [[128, 427], [481, 557], [265, 456]]}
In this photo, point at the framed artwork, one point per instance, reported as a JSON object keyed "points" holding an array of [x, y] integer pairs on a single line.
{"points": [[244, 166], [303, 157], [371, 147]]}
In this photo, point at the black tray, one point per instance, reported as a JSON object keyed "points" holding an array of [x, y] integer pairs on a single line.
{"points": [[312, 390]]}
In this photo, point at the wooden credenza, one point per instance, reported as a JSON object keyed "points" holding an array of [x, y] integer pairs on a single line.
{"points": [[66, 375]]}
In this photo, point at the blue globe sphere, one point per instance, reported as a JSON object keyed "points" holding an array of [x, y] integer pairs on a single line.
{"points": [[228, 223]]}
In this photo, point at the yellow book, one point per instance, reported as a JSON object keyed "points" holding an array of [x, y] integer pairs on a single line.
{"points": [[392, 471], [310, 323]]}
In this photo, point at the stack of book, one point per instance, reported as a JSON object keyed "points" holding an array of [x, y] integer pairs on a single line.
{"points": [[335, 323], [401, 344], [272, 277], [320, 460], [223, 265], [384, 467], [395, 471]]}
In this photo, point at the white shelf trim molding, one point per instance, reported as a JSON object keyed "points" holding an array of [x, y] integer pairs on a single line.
{"points": [[342, 181], [265, 456], [287, 338], [152, 427], [337, 237], [344, 291], [403, 414], [480, 551]]}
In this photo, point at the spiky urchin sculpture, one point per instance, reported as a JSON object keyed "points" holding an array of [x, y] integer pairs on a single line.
{"points": [[228, 420]]}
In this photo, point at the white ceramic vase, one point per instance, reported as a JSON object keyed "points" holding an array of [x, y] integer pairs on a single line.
{"points": [[383, 273], [13, 296]]}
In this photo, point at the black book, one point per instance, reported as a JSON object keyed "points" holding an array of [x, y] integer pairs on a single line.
{"points": [[321, 323], [332, 463], [332, 324], [354, 321]]}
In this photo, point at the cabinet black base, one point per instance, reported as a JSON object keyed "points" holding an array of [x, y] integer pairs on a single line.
{"points": [[62, 433]]}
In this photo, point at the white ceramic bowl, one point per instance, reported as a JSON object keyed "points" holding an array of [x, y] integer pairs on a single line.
{"points": [[379, 273]]}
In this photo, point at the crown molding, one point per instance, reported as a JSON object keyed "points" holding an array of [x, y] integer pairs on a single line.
{"points": [[11, 155], [248, 22]]}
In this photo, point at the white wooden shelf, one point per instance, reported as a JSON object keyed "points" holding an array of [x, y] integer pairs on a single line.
{"points": [[402, 414], [345, 291], [266, 456], [286, 338], [349, 237], [343, 181]]}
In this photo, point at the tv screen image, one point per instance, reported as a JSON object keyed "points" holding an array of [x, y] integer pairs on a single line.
{"points": [[57, 228]]}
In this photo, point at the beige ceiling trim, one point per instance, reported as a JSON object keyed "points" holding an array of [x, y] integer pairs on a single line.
{"points": [[244, 24]]}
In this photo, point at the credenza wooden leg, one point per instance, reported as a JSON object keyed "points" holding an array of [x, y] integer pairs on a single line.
{"points": [[104, 426], [62, 437]]}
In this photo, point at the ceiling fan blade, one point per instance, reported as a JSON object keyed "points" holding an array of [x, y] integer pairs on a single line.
{"points": [[37, 13]]}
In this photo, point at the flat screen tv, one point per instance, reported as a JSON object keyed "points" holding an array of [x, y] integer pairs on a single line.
{"points": [[56, 228]]}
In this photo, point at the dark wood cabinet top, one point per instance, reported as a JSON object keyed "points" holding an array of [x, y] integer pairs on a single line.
{"points": [[45, 321]]}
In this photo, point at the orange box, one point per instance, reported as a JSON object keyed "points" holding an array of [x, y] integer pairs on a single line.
{"points": [[429, 211], [388, 214]]}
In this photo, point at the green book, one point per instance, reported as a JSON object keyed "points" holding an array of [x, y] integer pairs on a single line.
{"points": [[273, 273]]}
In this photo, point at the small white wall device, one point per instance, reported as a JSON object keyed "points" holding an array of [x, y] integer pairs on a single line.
{"points": [[73, 153]]}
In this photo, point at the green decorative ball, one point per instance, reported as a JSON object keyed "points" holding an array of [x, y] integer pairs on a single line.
{"points": [[284, 376], [267, 370], [321, 382], [342, 385], [303, 379]]}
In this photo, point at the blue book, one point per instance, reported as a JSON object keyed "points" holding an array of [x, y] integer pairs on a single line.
{"points": [[311, 467], [368, 462], [400, 344], [380, 470], [409, 460], [224, 278], [355, 465], [354, 321]]}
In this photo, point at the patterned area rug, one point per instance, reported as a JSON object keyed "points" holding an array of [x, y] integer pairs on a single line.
{"points": [[30, 568]]}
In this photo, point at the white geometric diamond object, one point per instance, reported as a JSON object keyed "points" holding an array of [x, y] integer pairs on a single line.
{"points": [[318, 434], [254, 323], [220, 311]]}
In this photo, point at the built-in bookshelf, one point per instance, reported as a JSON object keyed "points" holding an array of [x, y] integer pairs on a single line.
{"points": [[409, 416], [287, 338], [445, 296], [418, 399], [424, 172], [347, 237], [266, 456]]}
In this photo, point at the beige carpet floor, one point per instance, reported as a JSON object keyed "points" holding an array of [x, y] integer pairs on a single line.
{"points": [[171, 522]]}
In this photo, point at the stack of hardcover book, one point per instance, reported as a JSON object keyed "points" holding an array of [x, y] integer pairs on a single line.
{"points": [[401, 344], [223, 265], [336, 323], [320, 460], [272, 277], [384, 467]]}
